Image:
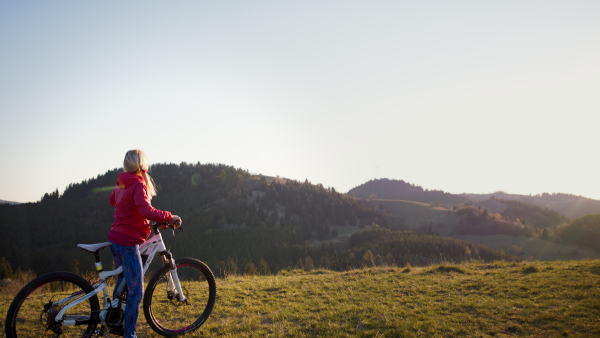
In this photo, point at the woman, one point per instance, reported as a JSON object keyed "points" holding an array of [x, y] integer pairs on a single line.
{"points": [[131, 198]]}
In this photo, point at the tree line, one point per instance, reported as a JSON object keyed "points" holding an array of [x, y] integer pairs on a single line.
{"points": [[584, 231], [226, 212], [400, 190], [531, 214], [234, 221], [377, 247]]}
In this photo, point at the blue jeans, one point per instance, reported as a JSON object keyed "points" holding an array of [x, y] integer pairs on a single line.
{"points": [[129, 257]]}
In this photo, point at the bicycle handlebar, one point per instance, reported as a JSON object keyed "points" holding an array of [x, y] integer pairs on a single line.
{"points": [[164, 225]]}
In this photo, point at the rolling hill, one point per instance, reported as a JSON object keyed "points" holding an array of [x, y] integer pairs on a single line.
{"points": [[569, 205], [233, 221], [400, 190], [236, 221], [517, 227]]}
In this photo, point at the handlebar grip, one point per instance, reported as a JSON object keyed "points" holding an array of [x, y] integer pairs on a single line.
{"points": [[165, 225]]}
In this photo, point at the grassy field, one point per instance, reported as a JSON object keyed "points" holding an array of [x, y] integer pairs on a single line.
{"points": [[533, 299], [415, 214]]}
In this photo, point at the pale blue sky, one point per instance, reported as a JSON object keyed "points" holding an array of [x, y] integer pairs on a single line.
{"points": [[461, 96]]}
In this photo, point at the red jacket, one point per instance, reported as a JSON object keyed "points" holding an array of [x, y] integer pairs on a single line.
{"points": [[133, 210]]}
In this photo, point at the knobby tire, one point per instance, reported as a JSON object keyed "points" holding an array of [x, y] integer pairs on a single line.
{"points": [[165, 313], [32, 311]]}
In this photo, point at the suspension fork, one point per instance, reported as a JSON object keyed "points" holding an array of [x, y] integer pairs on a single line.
{"points": [[172, 277]]}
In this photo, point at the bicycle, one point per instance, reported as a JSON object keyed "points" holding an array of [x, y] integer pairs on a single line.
{"points": [[178, 298]]}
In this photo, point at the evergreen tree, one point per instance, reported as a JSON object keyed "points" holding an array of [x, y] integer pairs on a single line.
{"points": [[250, 269], [368, 259], [308, 263], [263, 267], [5, 269], [325, 263]]}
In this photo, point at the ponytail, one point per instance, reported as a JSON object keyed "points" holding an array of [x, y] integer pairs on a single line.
{"points": [[149, 183]]}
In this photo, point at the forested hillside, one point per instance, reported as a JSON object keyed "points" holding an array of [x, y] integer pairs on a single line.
{"points": [[234, 221], [399, 248], [440, 213], [228, 215], [515, 218], [531, 214], [584, 231]]}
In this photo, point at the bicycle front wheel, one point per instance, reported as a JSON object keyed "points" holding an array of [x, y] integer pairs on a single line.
{"points": [[169, 316], [34, 310]]}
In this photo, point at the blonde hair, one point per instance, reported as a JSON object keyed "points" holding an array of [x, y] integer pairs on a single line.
{"points": [[136, 163]]}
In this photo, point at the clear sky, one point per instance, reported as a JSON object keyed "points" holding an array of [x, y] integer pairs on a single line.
{"points": [[460, 96]]}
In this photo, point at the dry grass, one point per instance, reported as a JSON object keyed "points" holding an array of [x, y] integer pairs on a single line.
{"points": [[534, 299]]}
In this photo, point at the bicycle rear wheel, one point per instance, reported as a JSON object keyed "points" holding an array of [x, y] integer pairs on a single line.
{"points": [[33, 311], [162, 308]]}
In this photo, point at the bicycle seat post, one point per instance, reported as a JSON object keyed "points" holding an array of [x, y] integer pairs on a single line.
{"points": [[95, 249], [98, 262]]}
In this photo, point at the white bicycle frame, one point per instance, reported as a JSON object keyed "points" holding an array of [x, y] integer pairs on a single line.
{"points": [[150, 248]]}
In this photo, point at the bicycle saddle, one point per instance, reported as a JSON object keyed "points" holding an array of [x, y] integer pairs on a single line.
{"points": [[94, 247]]}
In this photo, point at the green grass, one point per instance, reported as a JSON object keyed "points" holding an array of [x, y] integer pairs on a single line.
{"points": [[470, 300], [532, 299], [415, 214]]}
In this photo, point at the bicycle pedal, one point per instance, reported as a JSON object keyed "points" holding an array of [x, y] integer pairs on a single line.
{"points": [[100, 331]]}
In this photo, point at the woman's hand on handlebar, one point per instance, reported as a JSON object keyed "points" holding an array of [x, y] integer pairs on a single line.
{"points": [[175, 222]]}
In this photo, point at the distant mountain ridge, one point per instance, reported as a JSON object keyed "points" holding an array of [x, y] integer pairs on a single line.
{"points": [[568, 205], [400, 190], [571, 206], [8, 202]]}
